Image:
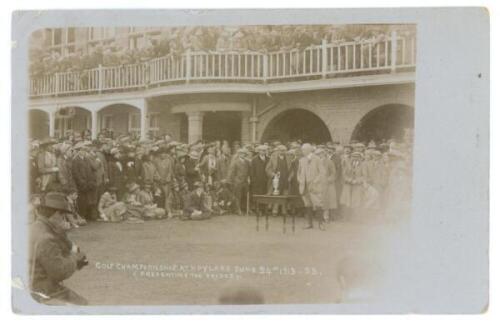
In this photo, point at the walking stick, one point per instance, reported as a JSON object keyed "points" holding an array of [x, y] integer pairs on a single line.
{"points": [[248, 197]]}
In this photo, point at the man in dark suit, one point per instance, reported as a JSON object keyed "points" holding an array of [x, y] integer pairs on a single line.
{"points": [[85, 180], [239, 171], [116, 172], [258, 177]]}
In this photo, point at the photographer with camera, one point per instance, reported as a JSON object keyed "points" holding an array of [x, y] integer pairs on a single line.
{"points": [[53, 257]]}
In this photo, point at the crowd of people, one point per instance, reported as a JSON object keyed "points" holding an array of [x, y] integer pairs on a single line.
{"points": [[178, 40], [76, 180], [125, 179]]}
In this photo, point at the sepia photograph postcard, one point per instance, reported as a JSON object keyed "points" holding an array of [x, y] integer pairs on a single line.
{"points": [[250, 161]]}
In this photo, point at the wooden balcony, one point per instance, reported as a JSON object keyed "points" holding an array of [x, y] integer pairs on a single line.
{"points": [[385, 55]]}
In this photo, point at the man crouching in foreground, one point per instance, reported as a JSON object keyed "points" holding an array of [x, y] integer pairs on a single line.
{"points": [[53, 257]]}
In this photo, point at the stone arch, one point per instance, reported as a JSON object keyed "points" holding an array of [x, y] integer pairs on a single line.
{"points": [[296, 123], [389, 121], [38, 123], [119, 118]]}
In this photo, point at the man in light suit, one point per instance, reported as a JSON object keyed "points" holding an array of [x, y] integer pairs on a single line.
{"points": [[310, 175]]}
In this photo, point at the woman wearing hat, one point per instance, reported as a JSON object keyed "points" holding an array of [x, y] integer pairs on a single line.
{"points": [[110, 209], [47, 164], [208, 166], [330, 193], [134, 207], [354, 176]]}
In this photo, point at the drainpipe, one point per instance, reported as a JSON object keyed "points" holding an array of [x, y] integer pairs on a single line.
{"points": [[254, 119]]}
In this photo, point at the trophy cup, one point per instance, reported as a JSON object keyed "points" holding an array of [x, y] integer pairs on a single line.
{"points": [[276, 183]]}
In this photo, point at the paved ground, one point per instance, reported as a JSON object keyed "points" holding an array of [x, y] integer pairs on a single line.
{"points": [[195, 262]]}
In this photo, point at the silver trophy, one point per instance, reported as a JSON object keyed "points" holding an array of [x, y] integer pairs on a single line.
{"points": [[276, 183]]}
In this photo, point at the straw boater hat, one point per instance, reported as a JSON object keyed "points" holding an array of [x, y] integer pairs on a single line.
{"points": [[261, 148], [281, 148], [242, 151], [194, 155], [319, 151], [356, 155], [78, 146], [132, 186], [114, 150]]}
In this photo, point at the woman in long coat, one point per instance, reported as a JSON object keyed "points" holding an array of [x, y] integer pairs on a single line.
{"points": [[354, 177], [330, 193]]}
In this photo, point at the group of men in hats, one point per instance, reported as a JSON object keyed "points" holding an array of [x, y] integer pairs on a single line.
{"points": [[127, 179]]}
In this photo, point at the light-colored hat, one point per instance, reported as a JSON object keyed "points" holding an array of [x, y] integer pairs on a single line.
{"points": [[114, 151], [132, 186], [319, 150], [194, 155], [281, 148], [79, 145], [261, 148], [356, 154], [307, 146]]}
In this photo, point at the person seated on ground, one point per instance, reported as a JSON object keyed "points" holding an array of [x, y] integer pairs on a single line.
{"points": [[110, 209], [135, 209], [180, 193], [225, 197], [212, 198], [195, 204], [146, 198], [75, 219]]}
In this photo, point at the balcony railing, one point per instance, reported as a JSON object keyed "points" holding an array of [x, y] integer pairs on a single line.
{"points": [[388, 54]]}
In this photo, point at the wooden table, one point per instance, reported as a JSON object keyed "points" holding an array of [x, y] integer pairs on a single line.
{"points": [[268, 200]]}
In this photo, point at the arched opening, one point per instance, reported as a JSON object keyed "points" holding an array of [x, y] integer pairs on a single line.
{"points": [[296, 124], [385, 122], [71, 120], [38, 124], [222, 126], [119, 119]]}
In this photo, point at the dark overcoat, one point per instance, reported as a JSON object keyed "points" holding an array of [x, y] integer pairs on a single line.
{"points": [[51, 260], [258, 177]]}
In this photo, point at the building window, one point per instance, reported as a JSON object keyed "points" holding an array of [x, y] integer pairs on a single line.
{"points": [[70, 35], [154, 121], [56, 36], [96, 33], [134, 122], [108, 32], [88, 122], [107, 122]]}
